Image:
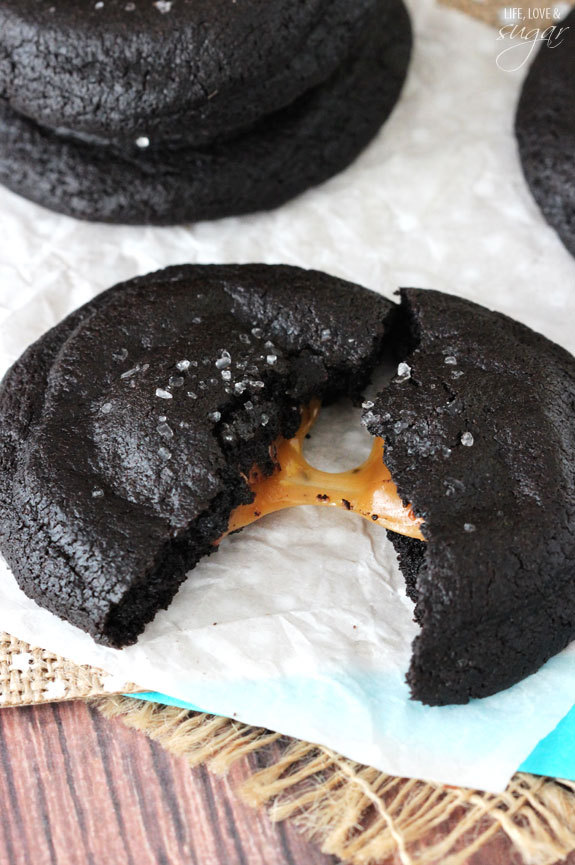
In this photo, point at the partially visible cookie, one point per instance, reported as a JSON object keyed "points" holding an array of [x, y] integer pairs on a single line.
{"points": [[545, 129], [480, 439], [129, 429], [276, 159]]}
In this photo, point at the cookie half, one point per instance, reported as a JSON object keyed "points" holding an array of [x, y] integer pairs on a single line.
{"points": [[545, 130], [480, 440], [129, 430], [285, 153]]}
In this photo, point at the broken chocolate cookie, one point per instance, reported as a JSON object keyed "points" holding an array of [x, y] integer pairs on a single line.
{"points": [[171, 411]]}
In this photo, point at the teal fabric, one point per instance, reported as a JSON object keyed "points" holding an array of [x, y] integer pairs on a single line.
{"points": [[553, 756]]}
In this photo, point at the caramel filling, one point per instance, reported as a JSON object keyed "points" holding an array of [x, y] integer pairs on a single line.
{"points": [[367, 490]]}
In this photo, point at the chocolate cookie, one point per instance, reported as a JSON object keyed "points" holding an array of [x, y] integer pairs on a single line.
{"points": [[480, 439], [545, 129], [179, 70], [102, 508], [277, 158]]}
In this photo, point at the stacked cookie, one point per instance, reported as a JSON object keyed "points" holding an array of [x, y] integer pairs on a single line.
{"points": [[179, 110]]}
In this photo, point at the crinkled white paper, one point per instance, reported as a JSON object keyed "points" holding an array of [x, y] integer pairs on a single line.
{"points": [[301, 623]]}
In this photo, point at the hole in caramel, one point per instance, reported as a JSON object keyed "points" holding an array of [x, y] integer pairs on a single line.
{"points": [[367, 490]]}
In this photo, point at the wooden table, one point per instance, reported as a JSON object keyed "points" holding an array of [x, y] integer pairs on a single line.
{"points": [[76, 789]]}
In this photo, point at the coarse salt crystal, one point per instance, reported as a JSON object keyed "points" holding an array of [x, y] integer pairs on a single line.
{"points": [[403, 371]]}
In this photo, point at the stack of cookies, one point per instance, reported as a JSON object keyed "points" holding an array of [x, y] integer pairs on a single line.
{"points": [[178, 110]]}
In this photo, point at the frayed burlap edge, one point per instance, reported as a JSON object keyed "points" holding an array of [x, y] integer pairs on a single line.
{"points": [[357, 813], [29, 675]]}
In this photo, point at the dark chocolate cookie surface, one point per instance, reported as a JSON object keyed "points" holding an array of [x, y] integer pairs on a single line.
{"points": [[128, 429], [192, 68], [545, 129], [297, 147], [480, 438]]}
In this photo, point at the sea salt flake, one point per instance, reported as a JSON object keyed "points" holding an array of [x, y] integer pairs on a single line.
{"points": [[325, 334], [97, 493], [248, 405], [226, 374], [257, 332], [106, 408], [240, 386], [469, 527], [224, 361], [450, 360], [130, 372], [272, 359], [467, 439], [163, 6], [403, 371], [164, 453], [215, 416], [163, 394], [142, 142], [264, 420], [192, 395], [197, 319], [245, 338], [367, 404], [176, 381], [183, 365], [165, 430]]}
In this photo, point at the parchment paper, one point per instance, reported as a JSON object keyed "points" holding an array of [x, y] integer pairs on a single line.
{"points": [[301, 623]]}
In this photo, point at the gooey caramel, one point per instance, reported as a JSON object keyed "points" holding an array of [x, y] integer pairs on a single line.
{"points": [[367, 490]]}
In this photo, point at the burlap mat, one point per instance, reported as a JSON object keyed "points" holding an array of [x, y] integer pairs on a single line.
{"points": [[31, 675], [357, 813]]}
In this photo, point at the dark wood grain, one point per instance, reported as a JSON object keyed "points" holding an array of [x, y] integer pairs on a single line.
{"points": [[76, 789]]}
